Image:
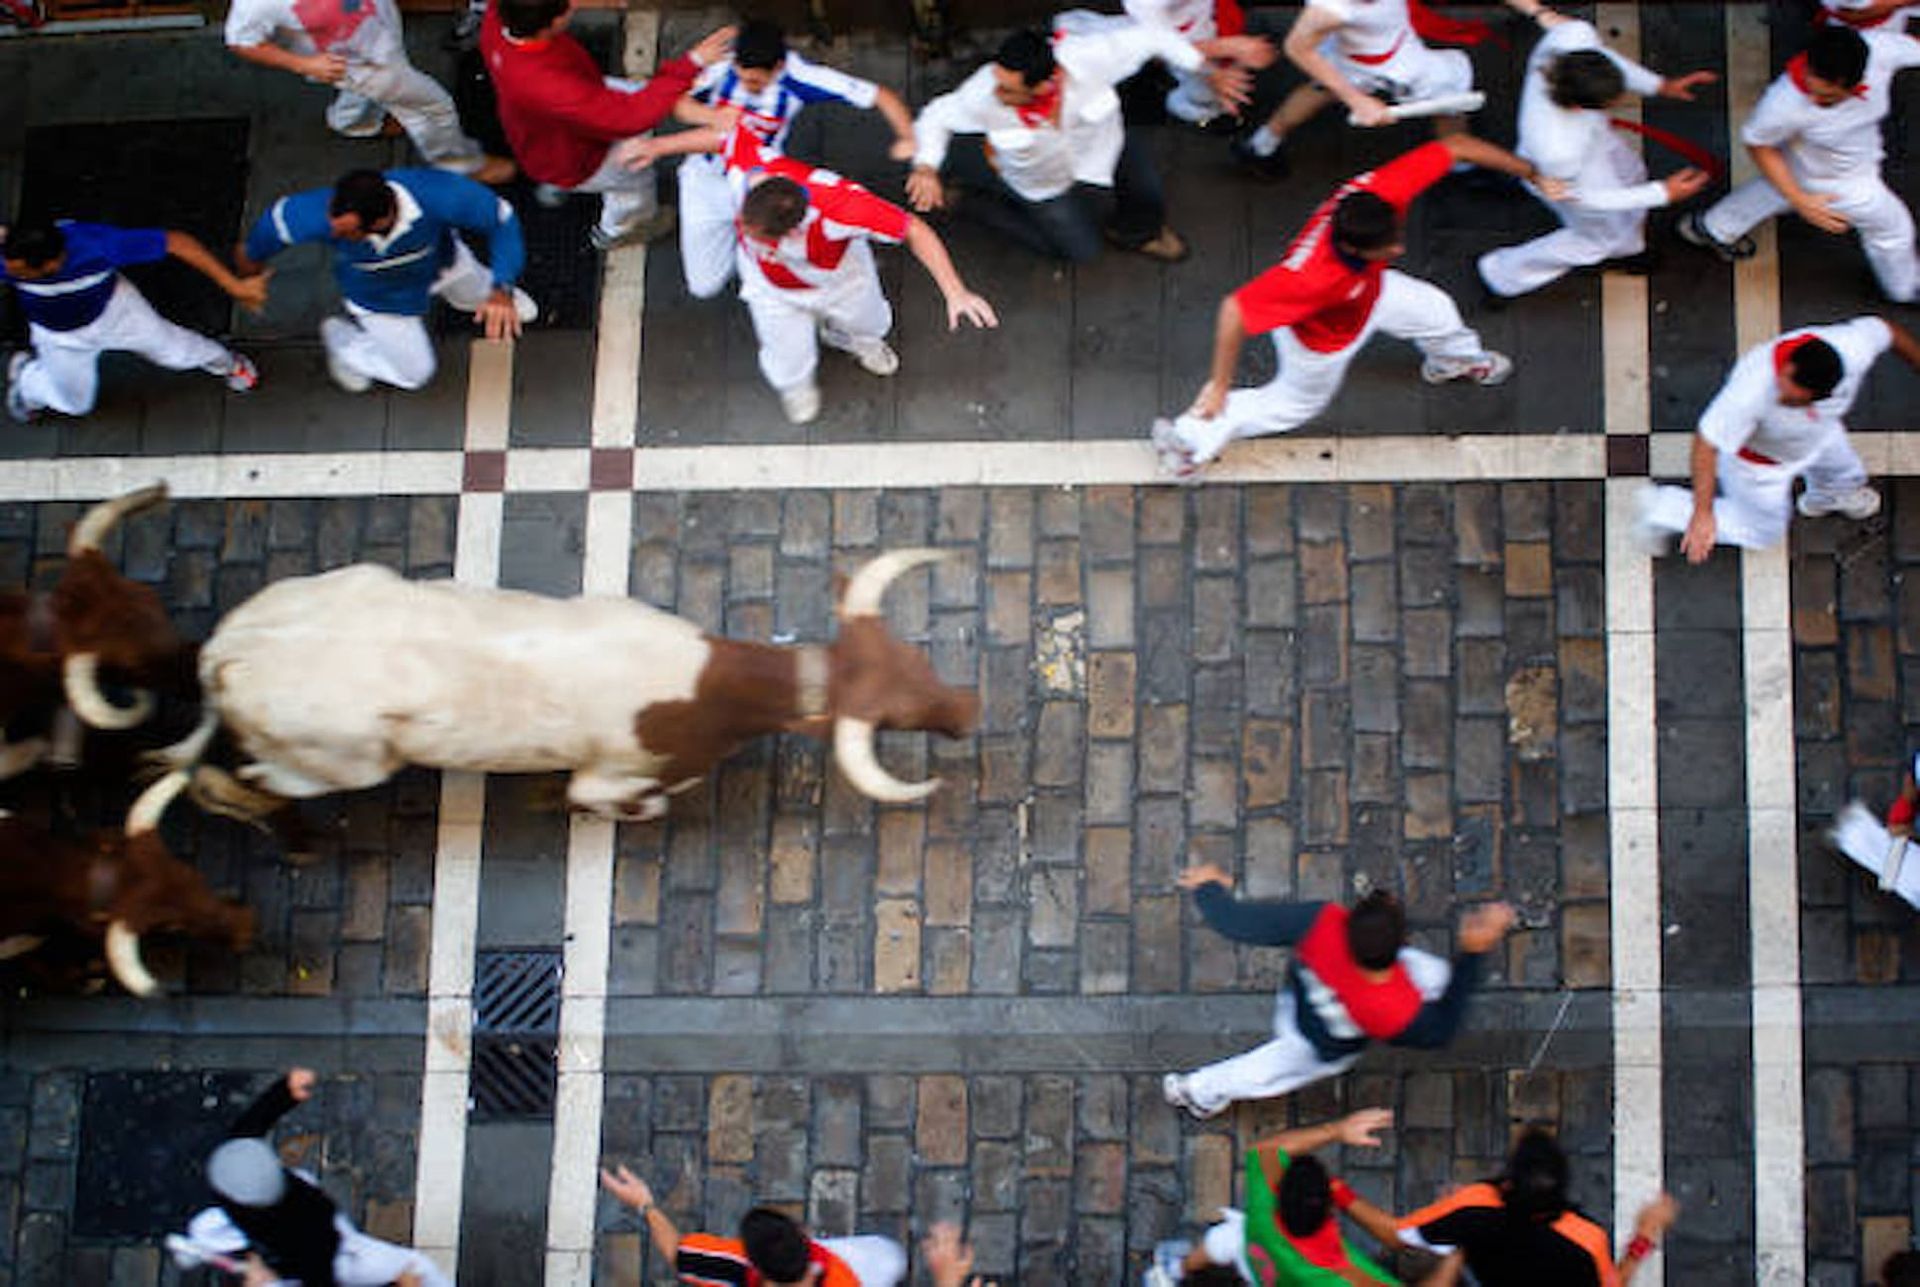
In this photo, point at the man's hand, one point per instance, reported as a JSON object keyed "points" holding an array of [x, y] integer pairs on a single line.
{"points": [[498, 317], [1231, 84], [1256, 52], [948, 1256], [965, 306], [924, 192], [627, 1188], [1210, 401], [1360, 1128], [903, 148], [1657, 1217], [1370, 112], [1682, 87], [300, 1084], [1482, 928], [251, 292], [636, 153], [1697, 541], [1204, 873], [1682, 184], [328, 69], [1817, 209], [1551, 189], [714, 46], [256, 1273]]}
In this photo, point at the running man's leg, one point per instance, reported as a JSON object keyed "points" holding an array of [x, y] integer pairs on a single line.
{"points": [[1885, 226], [1299, 391], [1742, 210]]}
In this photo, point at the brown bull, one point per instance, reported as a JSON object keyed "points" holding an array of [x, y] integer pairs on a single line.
{"points": [[112, 886], [56, 645]]}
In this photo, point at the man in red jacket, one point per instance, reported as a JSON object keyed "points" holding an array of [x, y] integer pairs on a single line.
{"points": [[563, 116]]}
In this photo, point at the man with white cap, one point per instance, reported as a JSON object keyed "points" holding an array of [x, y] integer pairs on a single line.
{"points": [[292, 1229]]}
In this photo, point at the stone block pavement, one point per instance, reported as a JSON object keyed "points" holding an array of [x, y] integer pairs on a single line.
{"points": [[1313, 672]]}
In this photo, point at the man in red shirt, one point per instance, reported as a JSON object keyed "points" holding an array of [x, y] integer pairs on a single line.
{"points": [[563, 116], [1331, 291], [807, 273]]}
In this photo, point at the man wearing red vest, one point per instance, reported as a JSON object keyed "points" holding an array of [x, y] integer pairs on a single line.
{"points": [[807, 274], [1352, 981], [563, 116]]}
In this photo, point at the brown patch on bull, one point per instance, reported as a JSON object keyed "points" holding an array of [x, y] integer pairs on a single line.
{"points": [[750, 690], [99, 611], [51, 884]]}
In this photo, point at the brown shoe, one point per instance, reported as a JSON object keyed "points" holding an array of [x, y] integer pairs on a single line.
{"points": [[1168, 247], [494, 170]]}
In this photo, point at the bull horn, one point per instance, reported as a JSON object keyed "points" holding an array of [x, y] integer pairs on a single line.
{"points": [[869, 584], [82, 675], [123, 958], [853, 751], [152, 805], [92, 529]]}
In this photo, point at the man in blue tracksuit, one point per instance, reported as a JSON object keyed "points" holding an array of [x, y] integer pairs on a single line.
{"points": [[394, 244]]}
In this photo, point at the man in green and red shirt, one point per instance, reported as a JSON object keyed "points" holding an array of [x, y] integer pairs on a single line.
{"points": [[1330, 292]]}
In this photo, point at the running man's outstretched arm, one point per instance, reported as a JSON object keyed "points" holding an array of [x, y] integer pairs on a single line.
{"points": [[1267, 923], [278, 1100], [1438, 1020], [962, 303], [250, 290]]}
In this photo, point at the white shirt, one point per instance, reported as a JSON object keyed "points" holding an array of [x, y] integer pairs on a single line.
{"points": [[363, 31], [770, 113], [1578, 145], [1042, 161], [1747, 412], [1833, 144], [1369, 28], [1192, 19]]}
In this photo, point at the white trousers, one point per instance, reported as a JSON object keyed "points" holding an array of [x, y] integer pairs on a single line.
{"points": [[707, 244], [1407, 309], [420, 103], [361, 1261], [64, 374], [874, 1260], [395, 349], [1584, 237], [1415, 71], [627, 196], [851, 310], [1880, 217], [1755, 502], [1279, 1067]]}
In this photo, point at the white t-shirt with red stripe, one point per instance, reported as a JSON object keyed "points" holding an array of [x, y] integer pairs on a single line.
{"points": [[1747, 412], [839, 213]]}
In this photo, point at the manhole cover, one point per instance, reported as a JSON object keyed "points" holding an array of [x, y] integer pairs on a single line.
{"points": [[143, 1137]]}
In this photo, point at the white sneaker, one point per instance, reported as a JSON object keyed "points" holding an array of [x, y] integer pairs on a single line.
{"points": [[878, 358], [1169, 1263], [17, 407], [1175, 457], [524, 307], [1174, 1087], [1488, 369], [243, 376], [1858, 504], [802, 405], [335, 331]]}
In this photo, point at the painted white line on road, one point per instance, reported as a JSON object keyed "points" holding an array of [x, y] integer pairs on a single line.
{"points": [[440, 1175]]}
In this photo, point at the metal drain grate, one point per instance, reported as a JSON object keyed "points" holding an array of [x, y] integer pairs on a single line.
{"points": [[516, 1023]]}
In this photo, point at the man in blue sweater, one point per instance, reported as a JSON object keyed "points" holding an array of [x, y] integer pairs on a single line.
{"points": [[394, 243], [66, 275], [1352, 981]]}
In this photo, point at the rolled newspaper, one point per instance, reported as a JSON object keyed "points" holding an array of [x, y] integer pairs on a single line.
{"points": [[1445, 105], [1859, 835]]}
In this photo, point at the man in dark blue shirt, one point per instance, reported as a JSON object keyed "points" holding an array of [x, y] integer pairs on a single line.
{"points": [[78, 306], [394, 242]]}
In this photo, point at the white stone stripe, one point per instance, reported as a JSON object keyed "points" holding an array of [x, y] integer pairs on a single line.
{"points": [[1633, 914], [440, 1174], [573, 1185]]}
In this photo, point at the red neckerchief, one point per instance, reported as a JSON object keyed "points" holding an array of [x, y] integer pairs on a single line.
{"points": [[1797, 72], [1039, 110], [1783, 351], [1687, 150], [1429, 25], [1322, 1247]]}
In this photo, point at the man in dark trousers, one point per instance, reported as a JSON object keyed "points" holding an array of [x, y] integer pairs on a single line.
{"points": [[290, 1228], [1352, 981]]}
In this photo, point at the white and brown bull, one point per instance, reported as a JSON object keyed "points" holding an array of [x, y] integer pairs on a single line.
{"points": [[57, 644], [334, 682], [112, 887]]}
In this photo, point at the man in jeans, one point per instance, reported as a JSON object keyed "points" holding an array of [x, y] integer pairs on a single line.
{"points": [[1053, 129], [356, 46], [1352, 981], [563, 116]]}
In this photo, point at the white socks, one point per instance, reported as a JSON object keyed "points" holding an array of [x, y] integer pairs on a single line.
{"points": [[1264, 141]]}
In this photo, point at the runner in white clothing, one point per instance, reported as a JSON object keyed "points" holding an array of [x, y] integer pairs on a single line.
{"points": [[1192, 98], [767, 85], [1815, 137], [1777, 418], [1572, 80], [356, 46]]}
